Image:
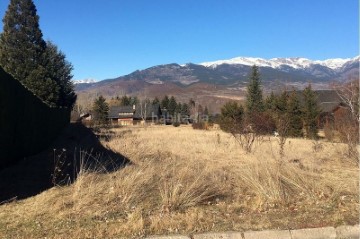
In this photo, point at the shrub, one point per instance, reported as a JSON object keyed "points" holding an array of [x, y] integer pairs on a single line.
{"points": [[231, 117], [329, 132], [263, 123], [200, 125]]}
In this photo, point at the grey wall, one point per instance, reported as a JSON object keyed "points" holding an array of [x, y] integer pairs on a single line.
{"points": [[27, 125]]}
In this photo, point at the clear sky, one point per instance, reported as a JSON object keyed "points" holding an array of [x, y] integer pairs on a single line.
{"points": [[108, 38]]}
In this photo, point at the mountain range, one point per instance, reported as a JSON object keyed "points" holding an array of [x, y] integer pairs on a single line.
{"points": [[224, 79]]}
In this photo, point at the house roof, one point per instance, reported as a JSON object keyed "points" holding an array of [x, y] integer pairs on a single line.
{"points": [[329, 106], [328, 96], [151, 110], [327, 100], [114, 111]]}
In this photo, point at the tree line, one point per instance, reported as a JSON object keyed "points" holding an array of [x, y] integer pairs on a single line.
{"points": [[171, 105], [283, 113], [39, 65]]}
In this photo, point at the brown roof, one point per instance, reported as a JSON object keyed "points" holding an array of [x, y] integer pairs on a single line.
{"points": [[114, 112], [327, 100]]}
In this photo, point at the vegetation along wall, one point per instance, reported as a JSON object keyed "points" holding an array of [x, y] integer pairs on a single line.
{"points": [[27, 125]]}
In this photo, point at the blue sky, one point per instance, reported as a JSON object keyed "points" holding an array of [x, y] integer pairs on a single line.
{"points": [[107, 39]]}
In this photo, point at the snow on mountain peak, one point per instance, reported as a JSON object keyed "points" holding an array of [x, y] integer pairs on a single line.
{"points": [[334, 63], [295, 62], [84, 81]]}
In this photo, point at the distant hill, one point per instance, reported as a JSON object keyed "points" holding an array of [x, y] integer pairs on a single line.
{"points": [[225, 79]]}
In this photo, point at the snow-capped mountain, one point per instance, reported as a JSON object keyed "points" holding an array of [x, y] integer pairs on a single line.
{"points": [[276, 63], [232, 74], [84, 81]]}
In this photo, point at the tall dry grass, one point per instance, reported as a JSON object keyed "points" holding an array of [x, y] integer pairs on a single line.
{"points": [[185, 180]]}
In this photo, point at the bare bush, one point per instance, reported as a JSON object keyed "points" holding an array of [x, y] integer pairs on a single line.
{"points": [[317, 146], [329, 132], [246, 137], [347, 121], [201, 125], [348, 130]]}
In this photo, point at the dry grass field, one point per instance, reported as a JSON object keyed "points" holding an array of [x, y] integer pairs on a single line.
{"points": [[184, 181]]}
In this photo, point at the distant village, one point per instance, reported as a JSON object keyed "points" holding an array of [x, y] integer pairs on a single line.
{"points": [[126, 111]]}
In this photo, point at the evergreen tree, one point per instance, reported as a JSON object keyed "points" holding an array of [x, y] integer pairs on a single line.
{"points": [[206, 111], [59, 70], [165, 102], [156, 101], [270, 102], [185, 109], [100, 110], [178, 108], [311, 112], [37, 64], [279, 113], [125, 100], [21, 42], [172, 105], [254, 99], [294, 114], [281, 102], [45, 88], [231, 118], [133, 101]]}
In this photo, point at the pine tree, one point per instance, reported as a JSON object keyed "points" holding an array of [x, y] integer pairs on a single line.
{"points": [[178, 108], [59, 70], [165, 102], [21, 42], [281, 103], [133, 101], [156, 101], [43, 86], [185, 109], [281, 119], [172, 105], [254, 99], [206, 111], [100, 110], [232, 115], [270, 102], [37, 64], [294, 114], [311, 112], [125, 101]]}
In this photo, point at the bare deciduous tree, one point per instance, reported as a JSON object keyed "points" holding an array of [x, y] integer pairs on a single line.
{"points": [[144, 104], [347, 124], [349, 94]]}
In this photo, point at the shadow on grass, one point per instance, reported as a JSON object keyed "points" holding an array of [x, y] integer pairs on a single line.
{"points": [[59, 164]]}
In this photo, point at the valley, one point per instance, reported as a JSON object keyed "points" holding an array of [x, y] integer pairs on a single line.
{"points": [[214, 83]]}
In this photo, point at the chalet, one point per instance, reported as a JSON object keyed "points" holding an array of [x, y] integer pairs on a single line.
{"points": [[151, 113], [122, 115], [331, 106], [130, 115]]}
